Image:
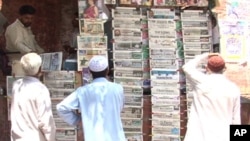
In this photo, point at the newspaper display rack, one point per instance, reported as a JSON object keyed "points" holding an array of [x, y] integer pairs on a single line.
{"points": [[165, 59], [197, 39], [130, 57]]}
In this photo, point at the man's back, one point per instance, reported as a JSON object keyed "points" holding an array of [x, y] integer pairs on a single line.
{"points": [[101, 103], [215, 107]]}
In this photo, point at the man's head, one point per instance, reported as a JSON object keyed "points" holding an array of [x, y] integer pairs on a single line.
{"points": [[31, 64], [26, 13], [215, 64], [98, 66]]}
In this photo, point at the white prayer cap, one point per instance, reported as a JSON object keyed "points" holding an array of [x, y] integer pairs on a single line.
{"points": [[98, 63], [31, 63]]}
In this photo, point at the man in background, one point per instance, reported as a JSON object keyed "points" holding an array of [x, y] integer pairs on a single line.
{"points": [[216, 100], [31, 114], [20, 38], [100, 104]]}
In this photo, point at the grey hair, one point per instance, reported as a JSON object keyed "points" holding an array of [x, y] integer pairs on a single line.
{"points": [[31, 63]]}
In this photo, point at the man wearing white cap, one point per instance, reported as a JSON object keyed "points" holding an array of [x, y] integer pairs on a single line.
{"points": [[31, 114], [100, 104]]}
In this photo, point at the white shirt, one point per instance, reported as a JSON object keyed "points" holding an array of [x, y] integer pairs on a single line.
{"points": [[100, 103], [21, 39], [215, 106], [31, 114]]}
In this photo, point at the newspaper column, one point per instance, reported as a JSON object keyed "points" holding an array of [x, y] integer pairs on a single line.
{"points": [[165, 59], [130, 57], [196, 28], [60, 85]]}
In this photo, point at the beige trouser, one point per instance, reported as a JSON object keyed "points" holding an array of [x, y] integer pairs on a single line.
{"points": [[15, 64]]}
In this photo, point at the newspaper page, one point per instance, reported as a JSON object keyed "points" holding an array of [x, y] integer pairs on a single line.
{"points": [[129, 81], [82, 4], [164, 64], [83, 56], [127, 46], [133, 23], [165, 108], [127, 34], [161, 24], [91, 27], [194, 15], [86, 76], [133, 100], [9, 84], [88, 42], [61, 84], [132, 112], [154, 13], [133, 90], [162, 53], [109, 1], [51, 61], [126, 12], [164, 74]]}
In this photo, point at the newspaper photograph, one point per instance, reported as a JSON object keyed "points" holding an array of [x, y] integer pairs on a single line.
{"points": [[91, 27], [133, 100], [164, 137], [59, 75], [164, 74], [132, 112], [128, 55], [129, 81], [164, 64], [197, 40], [162, 33], [118, 39], [128, 73], [154, 13], [194, 15], [166, 115], [197, 46], [166, 90], [196, 32], [127, 46], [9, 83], [161, 23], [162, 53], [81, 7], [66, 135], [133, 90], [51, 61], [126, 12], [169, 123], [85, 42], [166, 108], [128, 64], [195, 24], [174, 130], [126, 23]]}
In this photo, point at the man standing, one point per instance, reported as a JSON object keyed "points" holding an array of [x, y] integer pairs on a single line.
{"points": [[100, 104], [20, 39], [31, 114], [216, 102]]}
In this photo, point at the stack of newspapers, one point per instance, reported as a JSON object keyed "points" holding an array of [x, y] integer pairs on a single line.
{"points": [[88, 46], [60, 85], [197, 39], [130, 57], [164, 75]]}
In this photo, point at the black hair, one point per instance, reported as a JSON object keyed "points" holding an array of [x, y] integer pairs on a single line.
{"points": [[27, 9], [99, 74]]}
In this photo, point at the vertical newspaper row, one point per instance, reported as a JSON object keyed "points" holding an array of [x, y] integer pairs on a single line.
{"points": [[130, 57], [197, 39], [60, 85], [90, 42], [165, 60]]}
